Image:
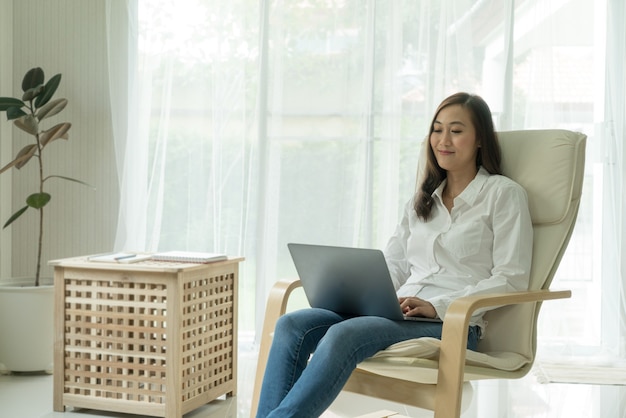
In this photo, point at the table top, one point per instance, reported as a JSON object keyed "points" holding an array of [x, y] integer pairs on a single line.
{"points": [[144, 265]]}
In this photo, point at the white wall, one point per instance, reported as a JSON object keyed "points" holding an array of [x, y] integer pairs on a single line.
{"points": [[6, 149], [68, 37]]}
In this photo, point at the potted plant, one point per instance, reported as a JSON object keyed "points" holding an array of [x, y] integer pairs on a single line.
{"points": [[29, 348]]}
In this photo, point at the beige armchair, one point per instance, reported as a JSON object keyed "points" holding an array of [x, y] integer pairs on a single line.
{"points": [[430, 373]]}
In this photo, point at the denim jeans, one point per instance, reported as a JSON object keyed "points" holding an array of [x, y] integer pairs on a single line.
{"points": [[293, 386]]}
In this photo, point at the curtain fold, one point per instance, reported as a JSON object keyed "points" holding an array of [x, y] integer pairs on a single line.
{"points": [[613, 308], [250, 124], [126, 116]]}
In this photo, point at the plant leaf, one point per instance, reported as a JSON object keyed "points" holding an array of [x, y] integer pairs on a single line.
{"points": [[14, 113], [27, 123], [30, 94], [70, 179], [25, 155], [22, 158], [56, 132], [51, 108], [38, 200], [7, 102], [15, 216], [32, 78], [49, 90]]}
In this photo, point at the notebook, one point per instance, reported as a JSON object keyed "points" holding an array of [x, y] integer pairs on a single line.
{"points": [[350, 281], [189, 256]]}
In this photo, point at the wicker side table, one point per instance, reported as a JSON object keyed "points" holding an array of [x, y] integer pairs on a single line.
{"points": [[152, 338]]}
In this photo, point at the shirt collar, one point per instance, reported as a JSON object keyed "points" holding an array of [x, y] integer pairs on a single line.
{"points": [[472, 190]]}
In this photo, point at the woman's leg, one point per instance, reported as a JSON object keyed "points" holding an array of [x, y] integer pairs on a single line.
{"points": [[295, 338], [344, 345]]}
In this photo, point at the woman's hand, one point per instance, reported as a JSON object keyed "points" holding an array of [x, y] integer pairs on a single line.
{"points": [[414, 306]]}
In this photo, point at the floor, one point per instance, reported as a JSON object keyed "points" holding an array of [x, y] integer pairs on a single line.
{"points": [[30, 396]]}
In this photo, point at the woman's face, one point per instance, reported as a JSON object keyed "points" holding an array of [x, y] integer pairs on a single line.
{"points": [[453, 140]]}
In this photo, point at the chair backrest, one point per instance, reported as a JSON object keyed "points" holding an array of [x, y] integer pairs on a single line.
{"points": [[549, 164]]}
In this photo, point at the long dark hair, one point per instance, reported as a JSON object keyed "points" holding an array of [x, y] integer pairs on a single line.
{"points": [[488, 154]]}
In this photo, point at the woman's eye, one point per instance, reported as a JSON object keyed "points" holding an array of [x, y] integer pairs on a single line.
{"points": [[456, 132], [437, 131]]}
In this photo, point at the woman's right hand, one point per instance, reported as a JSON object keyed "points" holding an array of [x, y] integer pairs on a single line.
{"points": [[414, 306]]}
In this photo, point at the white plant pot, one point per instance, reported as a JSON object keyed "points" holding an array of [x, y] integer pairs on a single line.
{"points": [[26, 327]]}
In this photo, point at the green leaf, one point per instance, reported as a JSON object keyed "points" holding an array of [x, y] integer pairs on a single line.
{"points": [[15, 113], [38, 200], [25, 154], [70, 179], [27, 123], [56, 132], [22, 158], [15, 216], [32, 78], [30, 94], [51, 108], [49, 90], [8, 102]]}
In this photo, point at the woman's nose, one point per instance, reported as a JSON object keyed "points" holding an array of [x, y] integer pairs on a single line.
{"points": [[444, 138]]}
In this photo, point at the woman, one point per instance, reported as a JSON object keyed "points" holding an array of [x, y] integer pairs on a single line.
{"points": [[466, 232]]}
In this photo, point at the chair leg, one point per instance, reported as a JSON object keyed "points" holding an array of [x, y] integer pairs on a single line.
{"points": [[420, 395], [275, 308]]}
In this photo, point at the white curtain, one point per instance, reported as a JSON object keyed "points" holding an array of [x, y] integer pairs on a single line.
{"points": [[252, 124], [612, 128], [128, 122]]}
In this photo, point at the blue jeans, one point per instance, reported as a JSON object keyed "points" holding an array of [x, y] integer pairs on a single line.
{"points": [[293, 388]]}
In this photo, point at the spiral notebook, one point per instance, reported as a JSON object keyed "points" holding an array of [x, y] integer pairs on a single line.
{"points": [[189, 256]]}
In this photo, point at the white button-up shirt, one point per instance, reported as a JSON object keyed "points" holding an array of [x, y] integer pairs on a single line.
{"points": [[484, 245]]}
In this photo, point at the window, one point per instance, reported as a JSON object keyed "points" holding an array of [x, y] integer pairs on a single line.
{"points": [[271, 122]]}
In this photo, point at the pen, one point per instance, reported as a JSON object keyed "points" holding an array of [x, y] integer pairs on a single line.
{"points": [[122, 257]]}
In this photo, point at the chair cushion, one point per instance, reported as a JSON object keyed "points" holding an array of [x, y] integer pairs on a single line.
{"points": [[544, 163], [422, 352]]}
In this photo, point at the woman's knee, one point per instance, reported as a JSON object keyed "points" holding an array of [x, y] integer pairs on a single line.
{"points": [[285, 322], [304, 322], [288, 325], [352, 332]]}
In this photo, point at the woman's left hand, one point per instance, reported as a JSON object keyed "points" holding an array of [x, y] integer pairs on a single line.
{"points": [[414, 306]]}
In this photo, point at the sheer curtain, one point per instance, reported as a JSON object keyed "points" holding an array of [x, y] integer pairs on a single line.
{"points": [[252, 124], [612, 128]]}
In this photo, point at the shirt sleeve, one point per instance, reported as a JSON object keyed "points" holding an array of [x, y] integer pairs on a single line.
{"points": [[396, 250], [512, 251]]}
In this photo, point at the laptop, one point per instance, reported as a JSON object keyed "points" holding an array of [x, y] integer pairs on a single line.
{"points": [[349, 281]]}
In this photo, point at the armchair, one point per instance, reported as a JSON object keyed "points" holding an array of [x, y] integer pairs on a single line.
{"points": [[429, 373]]}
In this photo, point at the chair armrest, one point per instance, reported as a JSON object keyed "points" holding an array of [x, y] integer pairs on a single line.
{"points": [[454, 340], [469, 304], [275, 308], [278, 298]]}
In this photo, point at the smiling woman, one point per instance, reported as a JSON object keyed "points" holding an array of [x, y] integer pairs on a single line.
{"points": [[461, 140], [455, 145]]}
